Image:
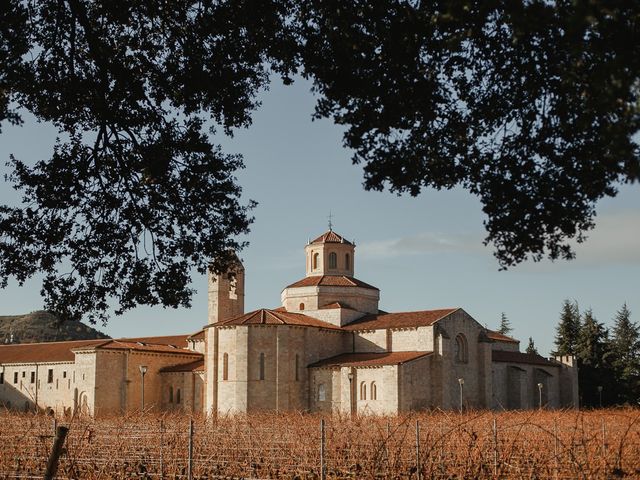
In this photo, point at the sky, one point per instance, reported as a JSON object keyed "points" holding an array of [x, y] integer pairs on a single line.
{"points": [[422, 252]]}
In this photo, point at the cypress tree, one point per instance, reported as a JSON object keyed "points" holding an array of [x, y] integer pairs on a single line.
{"points": [[568, 329], [531, 348], [594, 357], [625, 349], [505, 325]]}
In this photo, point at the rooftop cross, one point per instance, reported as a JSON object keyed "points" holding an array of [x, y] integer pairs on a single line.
{"points": [[330, 223]]}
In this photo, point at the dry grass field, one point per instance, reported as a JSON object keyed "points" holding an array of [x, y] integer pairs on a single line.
{"points": [[519, 445]]}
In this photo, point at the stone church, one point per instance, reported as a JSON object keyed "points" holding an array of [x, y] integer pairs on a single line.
{"points": [[327, 348]]}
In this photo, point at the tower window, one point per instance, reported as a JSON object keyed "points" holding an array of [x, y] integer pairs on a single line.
{"points": [[170, 394], [50, 376], [178, 399], [374, 391], [347, 261], [262, 366], [301, 306], [333, 260], [297, 367], [314, 262], [33, 377], [225, 366]]}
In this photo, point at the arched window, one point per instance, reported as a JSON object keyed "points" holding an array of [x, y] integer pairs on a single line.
{"points": [[374, 391], [347, 261], [363, 391], [178, 395], [170, 394], [462, 354], [314, 261], [297, 367], [333, 260], [301, 306], [322, 394], [225, 366], [262, 366]]}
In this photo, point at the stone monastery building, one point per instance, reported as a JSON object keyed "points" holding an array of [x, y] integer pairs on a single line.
{"points": [[328, 348]]}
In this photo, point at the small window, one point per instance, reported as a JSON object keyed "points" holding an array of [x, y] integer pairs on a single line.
{"points": [[297, 367], [262, 366], [322, 394], [24, 374], [374, 391], [33, 377], [462, 354], [225, 367], [314, 262], [170, 394], [50, 376], [15, 377], [64, 374], [1, 377], [178, 396], [301, 306], [333, 260], [363, 391], [56, 384], [347, 261]]}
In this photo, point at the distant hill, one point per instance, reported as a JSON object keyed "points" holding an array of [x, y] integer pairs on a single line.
{"points": [[41, 326]]}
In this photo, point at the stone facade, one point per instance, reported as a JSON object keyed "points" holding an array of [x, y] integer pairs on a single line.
{"points": [[327, 349]]}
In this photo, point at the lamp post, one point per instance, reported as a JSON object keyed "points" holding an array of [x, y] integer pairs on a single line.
{"points": [[600, 394], [540, 385], [461, 383], [143, 371], [350, 377]]}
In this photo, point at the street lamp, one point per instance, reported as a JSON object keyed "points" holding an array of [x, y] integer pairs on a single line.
{"points": [[540, 385], [600, 394], [143, 371], [461, 383], [350, 377]]}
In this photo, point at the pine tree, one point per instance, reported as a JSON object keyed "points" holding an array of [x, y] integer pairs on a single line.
{"points": [[568, 329], [531, 348], [625, 349], [505, 325], [594, 361]]}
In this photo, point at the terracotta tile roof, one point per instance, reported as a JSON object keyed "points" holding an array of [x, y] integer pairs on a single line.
{"points": [[197, 336], [331, 237], [399, 320], [369, 359], [333, 305], [273, 317], [331, 281], [279, 309], [144, 347], [499, 337], [177, 340], [63, 351], [43, 352], [195, 366], [519, 357]]}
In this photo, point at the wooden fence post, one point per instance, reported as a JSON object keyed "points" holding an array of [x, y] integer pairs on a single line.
{"points": [[190, 460], [56, 450]]}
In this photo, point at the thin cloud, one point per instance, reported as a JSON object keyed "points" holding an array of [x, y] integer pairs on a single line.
{"points": [[420, 244]]}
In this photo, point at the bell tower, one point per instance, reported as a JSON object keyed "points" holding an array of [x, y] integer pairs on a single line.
{"points": [[329, 254], [226, 294]]}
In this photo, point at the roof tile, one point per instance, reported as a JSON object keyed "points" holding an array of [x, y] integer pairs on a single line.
{"points": [[369, 359], [331, 281], [501, 337], [275, 317], [331, 237], [399, 320], [520, 357]]}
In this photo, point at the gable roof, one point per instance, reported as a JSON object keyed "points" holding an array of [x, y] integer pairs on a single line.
{"points": [[520, 357], [399, 320], [331, 281], [369, 359], [499, 337], [195, 366], [63, 351], [331, 237], [275, 317]]}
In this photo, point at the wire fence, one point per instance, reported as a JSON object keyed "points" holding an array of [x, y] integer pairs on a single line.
{"points": [[438, 445]]}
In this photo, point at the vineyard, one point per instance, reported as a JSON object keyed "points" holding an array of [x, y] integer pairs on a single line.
{"points": [[518, 445]]}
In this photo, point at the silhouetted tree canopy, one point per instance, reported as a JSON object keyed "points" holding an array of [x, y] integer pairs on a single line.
{"points": [[531, 106]]}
